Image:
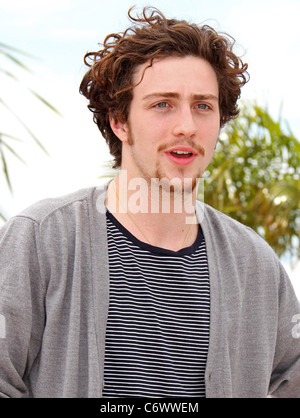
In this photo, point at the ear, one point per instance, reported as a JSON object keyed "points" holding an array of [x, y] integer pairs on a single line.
{"points": [[120, 129]]}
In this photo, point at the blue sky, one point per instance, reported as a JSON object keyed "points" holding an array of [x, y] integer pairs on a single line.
{"points": [[59, 32]]}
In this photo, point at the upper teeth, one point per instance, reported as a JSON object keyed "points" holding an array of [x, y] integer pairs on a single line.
{"points": [[181, 152]]}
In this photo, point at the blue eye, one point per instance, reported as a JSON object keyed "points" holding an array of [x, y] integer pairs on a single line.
{"points": [[162, 105], [202, 106]]}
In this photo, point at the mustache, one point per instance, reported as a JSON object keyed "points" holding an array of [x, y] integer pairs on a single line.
{"points": [[198, 148]]}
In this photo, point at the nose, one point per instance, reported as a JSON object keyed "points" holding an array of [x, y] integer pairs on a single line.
{"points": [[184, 124]]}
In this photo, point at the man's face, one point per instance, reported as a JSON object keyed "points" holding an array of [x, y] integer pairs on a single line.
{"points": [[173, 122]]}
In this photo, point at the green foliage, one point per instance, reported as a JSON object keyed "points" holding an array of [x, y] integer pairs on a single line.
{"points": [[254, 177], [7, 141]]}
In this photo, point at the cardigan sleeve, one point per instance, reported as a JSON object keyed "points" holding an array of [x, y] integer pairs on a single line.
{"points": [[22, 315], [285, 379]]}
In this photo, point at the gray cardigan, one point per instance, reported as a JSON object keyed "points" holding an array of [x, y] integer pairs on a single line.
{"points": [[54, 296]]}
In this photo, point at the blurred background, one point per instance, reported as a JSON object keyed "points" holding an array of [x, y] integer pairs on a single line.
{"points": [[49, 145]]}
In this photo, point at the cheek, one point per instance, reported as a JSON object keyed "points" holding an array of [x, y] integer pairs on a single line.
{"points": [[210, 152], [212, 134], [211, 139]]}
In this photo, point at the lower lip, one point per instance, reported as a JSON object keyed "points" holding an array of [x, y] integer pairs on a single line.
{"points": [[181, 160]]}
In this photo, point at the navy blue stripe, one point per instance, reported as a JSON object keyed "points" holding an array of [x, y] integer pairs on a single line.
{"points": [[159, 315], [151, 248]]}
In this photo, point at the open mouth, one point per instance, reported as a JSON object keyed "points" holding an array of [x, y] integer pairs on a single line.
{"points": [[181, 155]]}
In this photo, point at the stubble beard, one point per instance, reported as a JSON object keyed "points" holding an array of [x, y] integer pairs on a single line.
{"points": [[176, 185]]}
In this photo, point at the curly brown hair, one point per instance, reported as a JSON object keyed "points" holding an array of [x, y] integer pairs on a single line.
{"points": [[108, 84]]}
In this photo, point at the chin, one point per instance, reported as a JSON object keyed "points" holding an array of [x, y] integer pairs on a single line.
{"points": [[178, 183]]}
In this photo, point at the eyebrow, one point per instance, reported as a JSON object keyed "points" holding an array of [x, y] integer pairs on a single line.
{"points": [[170, 94]]}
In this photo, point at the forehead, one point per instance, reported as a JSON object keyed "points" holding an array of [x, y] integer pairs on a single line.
{"points": [[186, 75]]}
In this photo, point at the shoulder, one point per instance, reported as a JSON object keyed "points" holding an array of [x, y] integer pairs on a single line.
{"points": [[54, 225], [49, 208], [234, 247], [216, 217], [54, 217], [229, 231]]}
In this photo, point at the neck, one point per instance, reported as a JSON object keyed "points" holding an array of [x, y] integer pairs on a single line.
{"points": [[154, 214]]}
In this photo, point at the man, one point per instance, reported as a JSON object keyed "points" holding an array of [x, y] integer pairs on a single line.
{"points": [[136, 289]]}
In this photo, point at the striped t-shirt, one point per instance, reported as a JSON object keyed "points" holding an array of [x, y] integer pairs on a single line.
{"points": [[159, 315]]}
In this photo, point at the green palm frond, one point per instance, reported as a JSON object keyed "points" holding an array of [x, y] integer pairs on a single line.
{"points": [[254, 177], [16, 57]]}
